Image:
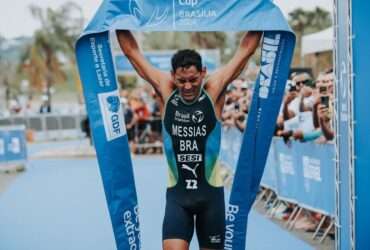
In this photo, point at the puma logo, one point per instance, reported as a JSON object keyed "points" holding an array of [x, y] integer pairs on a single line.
{"points": [[186, 167]]}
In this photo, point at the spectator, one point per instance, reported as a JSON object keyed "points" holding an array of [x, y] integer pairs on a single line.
{"points": [[130, 121], [45, 105], [323, 95], [325, 107], [85, 127], [156, 123]]}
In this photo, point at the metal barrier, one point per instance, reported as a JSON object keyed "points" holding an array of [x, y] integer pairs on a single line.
{"points": [[147, 136], [49, 126], [302, 174]]}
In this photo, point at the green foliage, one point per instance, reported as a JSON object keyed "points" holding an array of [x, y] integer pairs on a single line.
{"points": [[127, 82], [309, 21], [182, 40], [305, 22], [52, 46], [164, 40]]}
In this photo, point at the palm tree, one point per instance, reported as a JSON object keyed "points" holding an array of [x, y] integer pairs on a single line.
{"points": [[41, 65], [66, 24], [304, 22], [321, 19], [52, 42]]}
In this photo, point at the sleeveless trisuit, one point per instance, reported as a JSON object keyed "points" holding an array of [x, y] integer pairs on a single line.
{"points": [[195, 195]]}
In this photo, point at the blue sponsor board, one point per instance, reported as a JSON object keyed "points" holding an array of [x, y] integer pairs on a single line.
{"points": [[303, 173], [361, 120], [13, 145], [162, 61]]}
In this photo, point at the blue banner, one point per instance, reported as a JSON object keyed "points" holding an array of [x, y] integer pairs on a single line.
{"points": [[361, 90], [270, 175], [277, 50], [289, 171], [97, 73], [13, 145], [303, 173]]}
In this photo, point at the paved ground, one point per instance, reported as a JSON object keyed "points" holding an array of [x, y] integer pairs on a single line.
{"points": [[6, 179], [58, 203]]}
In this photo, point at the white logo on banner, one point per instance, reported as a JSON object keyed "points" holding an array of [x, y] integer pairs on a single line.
{"points": [[286, 164], [2, 147], [15, 146], [131, 219], [192, 12], [157, 16], [191, 3], [269, 51], [231, 212], [311, 168], [110, 107]]}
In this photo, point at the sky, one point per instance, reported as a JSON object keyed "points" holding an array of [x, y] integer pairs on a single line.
{"points": [[16, 19]]}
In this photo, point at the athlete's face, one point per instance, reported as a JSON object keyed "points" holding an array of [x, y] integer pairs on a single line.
{"points": [[189, 82]]}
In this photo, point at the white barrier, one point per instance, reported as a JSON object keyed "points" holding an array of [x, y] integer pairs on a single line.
{"points": [[49, 126]]}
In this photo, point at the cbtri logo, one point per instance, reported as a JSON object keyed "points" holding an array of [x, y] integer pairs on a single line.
{"points": [[198, 116], [269, 50], [112, 115], [148, 16], [191, 3]]}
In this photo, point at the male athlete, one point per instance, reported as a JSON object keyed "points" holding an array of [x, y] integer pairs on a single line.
{"points": [[190, 109]]}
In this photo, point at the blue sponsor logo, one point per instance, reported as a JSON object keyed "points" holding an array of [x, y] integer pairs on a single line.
{"points": [[114, 103]]}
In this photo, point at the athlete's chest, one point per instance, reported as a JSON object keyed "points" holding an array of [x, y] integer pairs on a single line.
{"points": [[189, 121]]}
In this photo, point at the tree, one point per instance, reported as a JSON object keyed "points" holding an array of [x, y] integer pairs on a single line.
{"points": [[164, 40], [52, 43], [305, 22]]}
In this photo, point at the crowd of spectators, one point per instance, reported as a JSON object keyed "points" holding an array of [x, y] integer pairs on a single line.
{"points": [[306, 113], [307, 110], [143, 121]]}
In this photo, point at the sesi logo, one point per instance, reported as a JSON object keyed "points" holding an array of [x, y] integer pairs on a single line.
{"points": [[112, 114]]}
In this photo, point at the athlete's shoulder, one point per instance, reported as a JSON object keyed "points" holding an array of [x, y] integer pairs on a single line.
{"points": [[210, 90], [166, 88]]}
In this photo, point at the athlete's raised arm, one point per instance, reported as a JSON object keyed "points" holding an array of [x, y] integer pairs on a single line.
{"points": [[158, 79], [218, 81]]}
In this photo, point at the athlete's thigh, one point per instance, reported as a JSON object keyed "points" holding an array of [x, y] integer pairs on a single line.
{"points": [[210, 226], [175, 244], [178, 223]]}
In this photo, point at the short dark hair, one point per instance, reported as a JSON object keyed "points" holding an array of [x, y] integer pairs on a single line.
{"points": [[186, 58]]}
